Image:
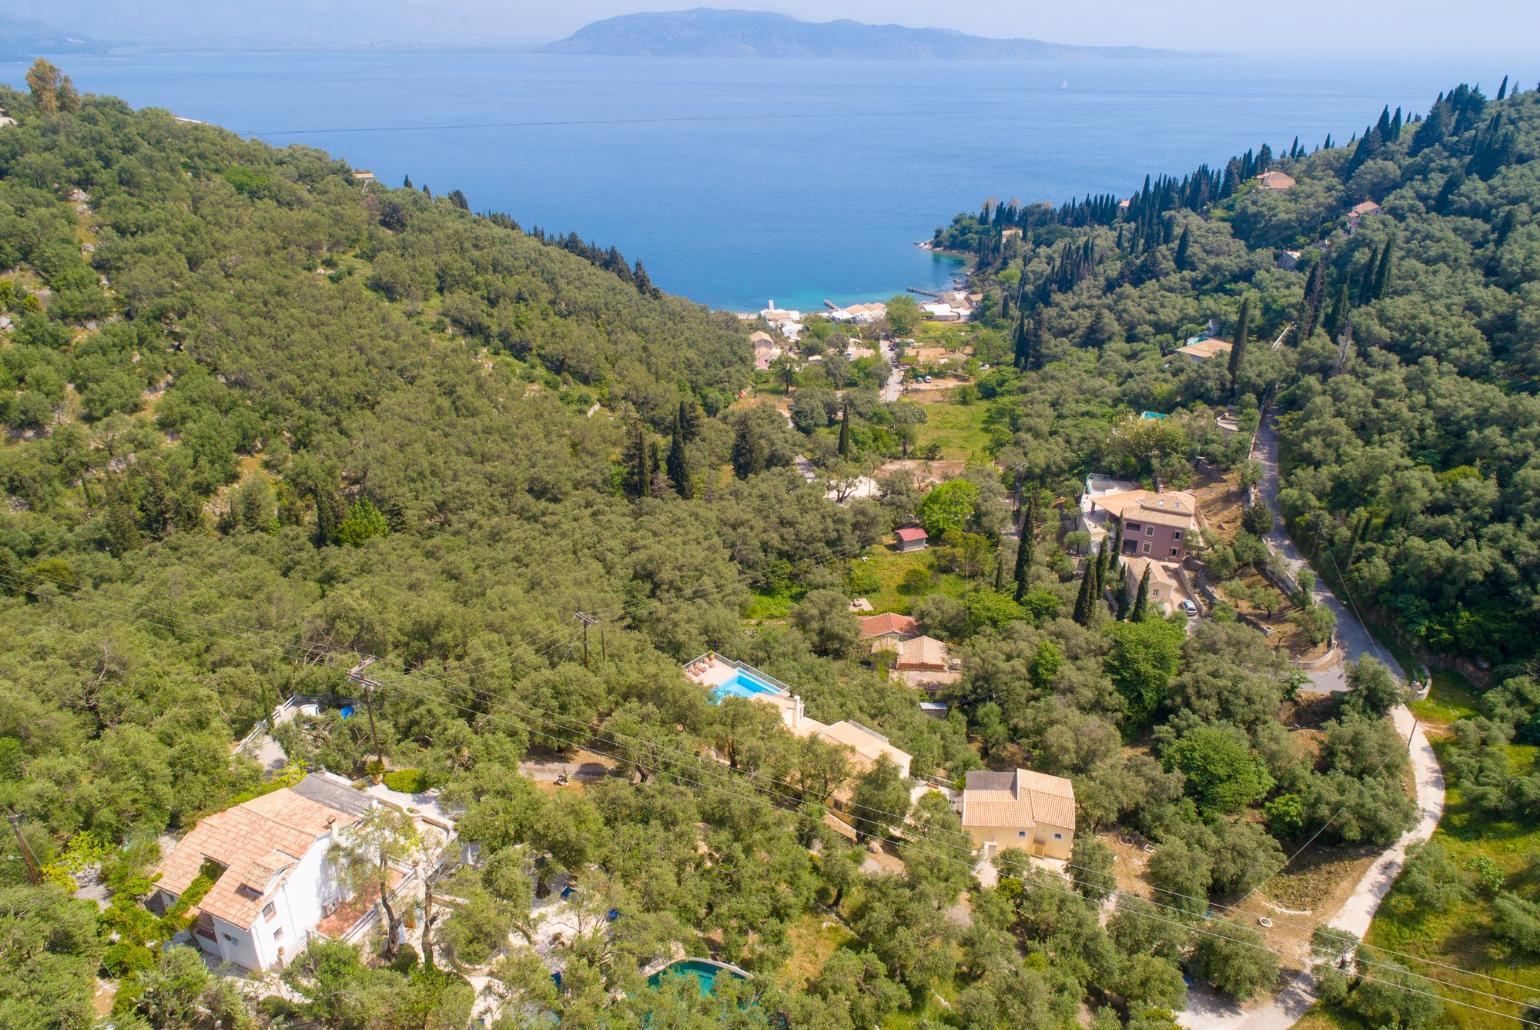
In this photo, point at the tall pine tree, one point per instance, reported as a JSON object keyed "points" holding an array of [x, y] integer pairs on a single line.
{"points": [[845, 432]]}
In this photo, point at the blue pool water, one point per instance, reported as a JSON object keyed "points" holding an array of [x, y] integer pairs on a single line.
{"points": [[705, 973], [743, 684]]}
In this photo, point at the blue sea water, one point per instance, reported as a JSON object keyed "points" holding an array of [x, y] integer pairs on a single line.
{"points": [[741, 181]]}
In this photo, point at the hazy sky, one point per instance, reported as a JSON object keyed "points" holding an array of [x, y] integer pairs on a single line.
{"points": [[1474, 29]]}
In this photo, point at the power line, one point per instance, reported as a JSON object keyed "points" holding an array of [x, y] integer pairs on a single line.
{"points": [[892, 817]]}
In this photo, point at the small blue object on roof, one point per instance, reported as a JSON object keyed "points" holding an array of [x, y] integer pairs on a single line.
{"points": [[346, 711], [612, 915]]}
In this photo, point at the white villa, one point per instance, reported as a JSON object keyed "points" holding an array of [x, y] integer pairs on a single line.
{"points": [[273, 884]]}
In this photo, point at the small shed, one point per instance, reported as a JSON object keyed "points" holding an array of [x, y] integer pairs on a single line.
{"points": [[912, 538]]}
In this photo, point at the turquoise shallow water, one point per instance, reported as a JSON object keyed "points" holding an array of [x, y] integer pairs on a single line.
{"points": [[741, 181], [705, 973]]}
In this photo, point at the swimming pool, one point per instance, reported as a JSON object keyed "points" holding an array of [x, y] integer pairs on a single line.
{"points": [[705, 973], [742, 684]]}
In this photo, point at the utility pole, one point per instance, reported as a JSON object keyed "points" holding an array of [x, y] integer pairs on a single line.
{"points": [[34, 874], [356, 675], [587, 620]]}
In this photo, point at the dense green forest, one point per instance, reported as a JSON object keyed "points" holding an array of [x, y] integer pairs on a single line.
{"points": [[1406, 384], [263, 420]]}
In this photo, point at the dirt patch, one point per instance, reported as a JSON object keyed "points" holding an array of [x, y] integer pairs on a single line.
{"points": [[933, 392], [1129, 860], [1220, 503]]}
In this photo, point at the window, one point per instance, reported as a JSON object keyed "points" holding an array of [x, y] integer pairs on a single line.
{"points": [[278, 934], [1145, 548], [1133, 527], [1021, 833], [228, 938], [1175, 552], [1149, 530], [1058, 836], [268, 910], [1177, 535]]}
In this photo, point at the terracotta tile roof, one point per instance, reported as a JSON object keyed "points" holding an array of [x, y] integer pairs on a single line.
{"points": [[922, 653], [1018, 800], [1206, 348], [1173, 508], [257, 842], [888, 622], [868, 745], [1368, 207], [1275, 180]]}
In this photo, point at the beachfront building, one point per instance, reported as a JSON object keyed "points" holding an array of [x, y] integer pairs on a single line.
{"points": [[860, 314], [273, 884], [728, 678], [1019, 809], [785, 321], [911, 538]]}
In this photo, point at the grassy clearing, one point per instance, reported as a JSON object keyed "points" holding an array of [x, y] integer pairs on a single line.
{"points": [[951, 335], [1451, 698], [762, 605], [958, 429], [891, 567], [1459, 937], [813, 939]]}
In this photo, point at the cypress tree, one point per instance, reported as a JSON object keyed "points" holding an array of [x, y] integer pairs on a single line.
{"points": [[1025, 548], [679, 460], [749, 453], [1115, 559], [1183, 250], [1142, 600], [1238, 346], [1084, 600], [845, 432], [1382, 272], [1310, 307], [328, 514], [1337, 317], [1502, 91], [1019, 342]]}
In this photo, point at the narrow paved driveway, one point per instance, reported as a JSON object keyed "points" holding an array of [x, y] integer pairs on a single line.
{"points": [[1352, 637], [895, 384], [1206, 1010]]}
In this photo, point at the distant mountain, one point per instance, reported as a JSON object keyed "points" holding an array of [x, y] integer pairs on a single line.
{"points": [[707, 32], [24, 38]]}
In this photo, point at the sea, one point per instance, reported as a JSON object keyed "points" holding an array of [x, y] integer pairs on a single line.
{"points": [[743, 181]]}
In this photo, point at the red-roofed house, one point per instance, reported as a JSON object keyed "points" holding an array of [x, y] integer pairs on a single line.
{"points": [[888, 626], [912, 538], [273, 883]]}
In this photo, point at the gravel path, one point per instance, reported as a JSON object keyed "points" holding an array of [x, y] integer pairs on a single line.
{"points": [[1206, 1010]]}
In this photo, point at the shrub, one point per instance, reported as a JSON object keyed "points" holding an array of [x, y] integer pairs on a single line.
{"points": [[407, 781]]}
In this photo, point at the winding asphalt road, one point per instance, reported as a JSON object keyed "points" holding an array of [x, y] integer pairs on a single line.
{"points": [[1205, 1009]]}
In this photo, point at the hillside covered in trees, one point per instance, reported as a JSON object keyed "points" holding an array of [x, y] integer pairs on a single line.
{"points": [[264, 420], [1406, 381]]}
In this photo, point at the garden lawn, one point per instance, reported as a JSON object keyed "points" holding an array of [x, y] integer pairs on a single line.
{"points": [[958, 429], [890, 567], [1459, 937]]}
